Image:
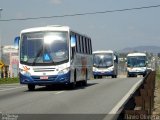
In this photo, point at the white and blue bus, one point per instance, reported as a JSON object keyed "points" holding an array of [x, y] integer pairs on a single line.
{"points": [[136, 64], [54, 55], [105, 63]]}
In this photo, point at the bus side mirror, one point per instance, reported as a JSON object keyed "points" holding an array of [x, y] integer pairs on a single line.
{"points": [[16, 42], [114, 57], [73, 45], [73, 41]]}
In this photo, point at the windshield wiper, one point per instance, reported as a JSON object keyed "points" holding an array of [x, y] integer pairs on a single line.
{"points": [[38, 54], [100, 61]]}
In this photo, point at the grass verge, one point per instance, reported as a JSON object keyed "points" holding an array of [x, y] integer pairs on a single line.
{"points": [[9, 80], [158, 88], [158, 75]]}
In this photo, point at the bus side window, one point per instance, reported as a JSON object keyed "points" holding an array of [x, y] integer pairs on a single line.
{"points": [[90, 47], [87, 46], [81, 44], [77, 45]]}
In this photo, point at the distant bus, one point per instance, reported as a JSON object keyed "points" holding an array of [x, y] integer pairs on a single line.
{"points": [[54, 55], [136, 64], [105, 63]]}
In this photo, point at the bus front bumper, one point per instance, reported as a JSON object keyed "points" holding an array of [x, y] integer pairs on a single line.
{"points": [[137, 73], [37, 80], [108, 73]]}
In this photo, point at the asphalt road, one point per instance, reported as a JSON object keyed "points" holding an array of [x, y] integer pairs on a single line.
{"points": [[100, 96]]}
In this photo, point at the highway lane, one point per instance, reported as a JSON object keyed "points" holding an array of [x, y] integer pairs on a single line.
{"points": [[99, 97]]}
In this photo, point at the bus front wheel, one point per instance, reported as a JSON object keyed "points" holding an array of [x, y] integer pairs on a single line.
{"points": [[114, 76], [95, 76], [31, 87]]}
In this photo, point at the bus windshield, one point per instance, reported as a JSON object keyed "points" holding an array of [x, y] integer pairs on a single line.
{"points": [[103, 60], [136, 61], [44, 48]]}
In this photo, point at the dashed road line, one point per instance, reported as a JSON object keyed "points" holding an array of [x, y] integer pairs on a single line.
{"points": [[2, 90], [59, 92]]}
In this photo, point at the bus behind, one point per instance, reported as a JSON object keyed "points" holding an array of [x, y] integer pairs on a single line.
{"points": [[136, 64], [105, 63]]}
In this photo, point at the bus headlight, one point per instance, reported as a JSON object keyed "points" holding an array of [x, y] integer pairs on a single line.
{"points": [[129, 69], [64, 71], [95, 69], [26, 73], [110, 69]]}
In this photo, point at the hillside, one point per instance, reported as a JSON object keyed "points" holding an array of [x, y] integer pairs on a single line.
{"points": [[150, 49]]}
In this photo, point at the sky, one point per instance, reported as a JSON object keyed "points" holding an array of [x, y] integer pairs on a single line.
{"points": [[115, 31]]}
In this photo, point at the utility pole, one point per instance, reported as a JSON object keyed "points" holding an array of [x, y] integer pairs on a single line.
{"points": [[0, 36], [0, 44]]}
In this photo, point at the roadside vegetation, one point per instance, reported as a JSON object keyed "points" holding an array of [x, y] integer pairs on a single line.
{"points": [[9, 80], [158, 75], [158, 85]]}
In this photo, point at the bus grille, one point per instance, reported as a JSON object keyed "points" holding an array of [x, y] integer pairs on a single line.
{"points": [[44, 69]]}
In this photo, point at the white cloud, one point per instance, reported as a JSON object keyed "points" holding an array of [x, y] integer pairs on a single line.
{"points": [[56, 2]]}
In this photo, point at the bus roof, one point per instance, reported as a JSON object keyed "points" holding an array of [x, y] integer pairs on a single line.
{"points": [[47, 28], [136, 54], [51, 28], [103, 51]]}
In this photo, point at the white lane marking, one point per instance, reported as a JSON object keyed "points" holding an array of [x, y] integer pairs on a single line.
{"points": [[12, 88], [121, 102], [59, 92]]}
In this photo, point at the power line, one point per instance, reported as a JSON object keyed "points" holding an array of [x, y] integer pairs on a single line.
{"points": [[79, 14]]}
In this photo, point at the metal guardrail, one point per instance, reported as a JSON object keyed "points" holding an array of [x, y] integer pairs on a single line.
{"points": [[140, 104]]}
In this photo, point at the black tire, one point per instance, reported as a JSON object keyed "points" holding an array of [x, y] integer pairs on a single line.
{"points": [[31, 87], [144, 75], [128, 75], [100, 76], [115, 76], [72, 85]]}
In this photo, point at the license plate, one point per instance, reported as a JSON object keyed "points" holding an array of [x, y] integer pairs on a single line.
{"points": [[44, 78]]}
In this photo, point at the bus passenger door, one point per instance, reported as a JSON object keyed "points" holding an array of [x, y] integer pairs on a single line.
{"points": [[72, 56]]}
